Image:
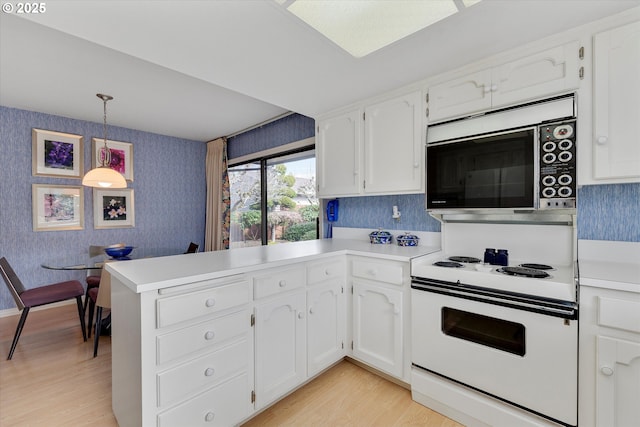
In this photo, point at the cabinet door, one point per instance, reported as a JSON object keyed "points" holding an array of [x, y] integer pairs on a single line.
{"points": [[536, 76], [616, 103], [325, 326], [461, 96], [338, 155], [618, 383], [393, 148], [377, 327], [280, 346]]}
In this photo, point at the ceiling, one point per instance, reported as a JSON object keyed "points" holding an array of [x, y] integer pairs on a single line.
{"points": [[203, 69]]}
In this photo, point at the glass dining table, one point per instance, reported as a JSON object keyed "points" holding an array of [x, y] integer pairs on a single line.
{"points": [[86, 262]]}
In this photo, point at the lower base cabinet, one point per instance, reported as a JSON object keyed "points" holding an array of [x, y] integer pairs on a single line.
{"points": [[377, 326], [325, 326], [281, 352]]}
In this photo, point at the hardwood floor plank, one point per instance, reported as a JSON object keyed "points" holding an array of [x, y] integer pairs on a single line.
{"points": [[53, 380]]}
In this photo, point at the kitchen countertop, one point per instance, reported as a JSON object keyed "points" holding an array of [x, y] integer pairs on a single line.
{"points": [[157, 273], [612, 265]]}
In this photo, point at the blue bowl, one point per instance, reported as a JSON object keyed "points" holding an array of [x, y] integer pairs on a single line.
{"points": [[119, 252]]}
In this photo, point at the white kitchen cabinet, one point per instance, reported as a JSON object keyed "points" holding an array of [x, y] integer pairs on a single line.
{"points": [[609, 358], [549, 72], [377, 326], [281, 356], [393, 145], [326, 311], [376, 152], [616, 104], [325, 325], [338, 155]]}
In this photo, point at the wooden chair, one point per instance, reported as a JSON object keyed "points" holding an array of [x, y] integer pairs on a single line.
{"points": [[27, 298], [193, 248], [99, 298], [93, 279]]}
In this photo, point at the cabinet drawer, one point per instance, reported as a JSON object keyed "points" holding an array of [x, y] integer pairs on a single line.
{"points": [[201, 336], [224, 405], [175, 309], [324, 271], [278, 281], [392, 273], [175, 384], [619, 314]]}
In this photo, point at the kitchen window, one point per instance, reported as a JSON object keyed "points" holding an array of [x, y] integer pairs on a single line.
{"points": [[273, 199]]}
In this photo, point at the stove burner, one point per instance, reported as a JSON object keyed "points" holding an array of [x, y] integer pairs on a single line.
{"points": [[524, 272], [448, 264], [467, 259], [537, 266]]}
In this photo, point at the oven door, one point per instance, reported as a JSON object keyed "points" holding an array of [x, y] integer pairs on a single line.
{"points": [[520, 356]]}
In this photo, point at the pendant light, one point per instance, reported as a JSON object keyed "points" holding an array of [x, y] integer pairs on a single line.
{"points": [[103, 176]]}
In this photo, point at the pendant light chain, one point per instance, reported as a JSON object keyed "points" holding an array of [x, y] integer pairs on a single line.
{"points": [[106, 157]]}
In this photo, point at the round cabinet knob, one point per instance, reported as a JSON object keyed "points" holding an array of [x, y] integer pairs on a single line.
{"points": [[327, 272], [607, 370], [282, 283], [416, 165], [301, 315], [601, 140], [210, 302], [310, 310], [494, 87], [209, 417], [209, 372], [209, 335], [371, 272]]}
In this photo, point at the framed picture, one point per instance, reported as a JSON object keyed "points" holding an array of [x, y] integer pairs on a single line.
{"points": [[57, 207], [113, 208], [121, 156], [56, 154]]}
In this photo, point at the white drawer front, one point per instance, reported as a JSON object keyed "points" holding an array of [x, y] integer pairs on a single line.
{"points": [[324, 271], [188, 306], [380, 271], [224, 405], [278, 281], [200, 336], [619, 314], [176, 383]]}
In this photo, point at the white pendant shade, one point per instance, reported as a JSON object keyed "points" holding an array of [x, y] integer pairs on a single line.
{"points": [[104, 177]]}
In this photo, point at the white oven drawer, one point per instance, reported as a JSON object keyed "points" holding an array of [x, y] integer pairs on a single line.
{"points": [[464, 340]]}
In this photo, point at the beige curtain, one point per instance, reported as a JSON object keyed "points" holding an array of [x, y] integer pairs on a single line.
{"points": [[218, 197]]}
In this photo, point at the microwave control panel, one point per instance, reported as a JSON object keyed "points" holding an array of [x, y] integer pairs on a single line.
{"points": [[557, 165]]}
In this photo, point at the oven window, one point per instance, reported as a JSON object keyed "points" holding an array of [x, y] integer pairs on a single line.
{"points": [[496, 333]]}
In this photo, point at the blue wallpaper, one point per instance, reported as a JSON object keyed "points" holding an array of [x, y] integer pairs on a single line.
{"points": [[169, 194], [609, 212], [291, 128], [374, 212]]}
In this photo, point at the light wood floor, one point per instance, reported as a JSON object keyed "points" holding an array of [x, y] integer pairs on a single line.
{"points": [[53, 380]]}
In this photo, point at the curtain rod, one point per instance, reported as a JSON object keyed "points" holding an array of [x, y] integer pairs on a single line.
{"points": [[273, 119]]}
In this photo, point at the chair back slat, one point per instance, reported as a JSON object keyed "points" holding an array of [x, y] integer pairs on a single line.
{"points": [[13, 282]]}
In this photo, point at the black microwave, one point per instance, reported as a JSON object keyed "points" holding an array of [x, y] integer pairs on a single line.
{"points": [[525, 168]]}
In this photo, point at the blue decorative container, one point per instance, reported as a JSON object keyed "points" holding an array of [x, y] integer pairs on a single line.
{"points": [[118, 251], [407, 240], [380, 237]]}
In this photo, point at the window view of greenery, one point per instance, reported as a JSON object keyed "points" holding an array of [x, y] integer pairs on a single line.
{"points": [[291, 203]]}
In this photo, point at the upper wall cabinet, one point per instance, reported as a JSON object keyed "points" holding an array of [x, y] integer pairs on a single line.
{"points": [[393, 149], [616, 104], [373, 150], [535, 76], [338, 155]]}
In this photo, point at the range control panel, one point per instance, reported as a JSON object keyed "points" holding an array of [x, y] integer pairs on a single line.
{"points": [[558, 165]]}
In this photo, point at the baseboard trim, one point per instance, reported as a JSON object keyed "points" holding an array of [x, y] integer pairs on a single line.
{"points": [[14, 311]]}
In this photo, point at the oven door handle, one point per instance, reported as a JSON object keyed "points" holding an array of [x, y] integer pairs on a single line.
{"points": [[564, 310]]}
